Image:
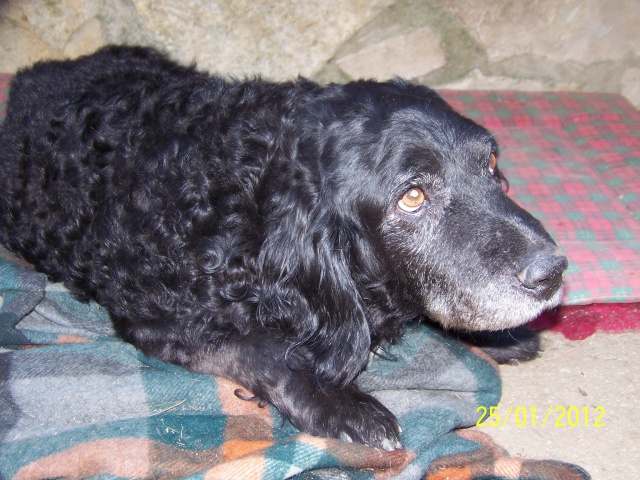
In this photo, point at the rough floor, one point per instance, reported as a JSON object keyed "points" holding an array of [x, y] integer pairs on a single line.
{"points": [[599, 376]]}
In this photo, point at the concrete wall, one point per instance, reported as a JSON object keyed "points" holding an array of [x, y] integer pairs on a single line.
{"points": [[588, 45]]}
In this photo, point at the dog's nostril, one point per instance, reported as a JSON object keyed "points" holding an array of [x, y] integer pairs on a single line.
{"points": [[544, 274]]}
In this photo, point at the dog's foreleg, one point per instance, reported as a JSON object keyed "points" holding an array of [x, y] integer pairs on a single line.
{"points": [[258, 362]]}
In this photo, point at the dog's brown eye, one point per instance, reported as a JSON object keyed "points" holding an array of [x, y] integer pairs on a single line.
{"points": [[412, 200], [493, 162]]}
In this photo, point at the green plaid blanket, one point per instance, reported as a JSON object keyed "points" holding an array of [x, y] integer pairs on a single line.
{"points": [[77, 402]]}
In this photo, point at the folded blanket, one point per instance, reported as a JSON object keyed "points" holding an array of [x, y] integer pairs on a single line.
{"points": [[77, 402]]}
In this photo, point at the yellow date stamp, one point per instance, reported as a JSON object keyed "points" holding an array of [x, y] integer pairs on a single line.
{"points": [[551, 416]]}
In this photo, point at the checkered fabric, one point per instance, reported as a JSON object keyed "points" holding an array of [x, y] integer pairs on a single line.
{"points": [[573, 161], [78, 402]]}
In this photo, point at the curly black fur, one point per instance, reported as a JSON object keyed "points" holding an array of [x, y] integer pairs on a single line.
{"points": [[256, 230]]}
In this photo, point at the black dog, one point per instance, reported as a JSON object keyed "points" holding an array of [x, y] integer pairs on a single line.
{"points": [[271, 233]]}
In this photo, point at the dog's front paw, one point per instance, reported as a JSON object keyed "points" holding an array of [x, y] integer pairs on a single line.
{"points": [[510, 346], [352, 416]]}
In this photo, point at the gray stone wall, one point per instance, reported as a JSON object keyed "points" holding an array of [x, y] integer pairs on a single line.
{"points": [[585, 45]]}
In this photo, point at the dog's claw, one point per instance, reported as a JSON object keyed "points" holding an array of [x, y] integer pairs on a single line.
{"points": [[345, 437], [391, 444], [387, 445]]}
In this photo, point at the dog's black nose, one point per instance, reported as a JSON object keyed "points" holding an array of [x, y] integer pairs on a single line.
{"points": [[543, 274]]}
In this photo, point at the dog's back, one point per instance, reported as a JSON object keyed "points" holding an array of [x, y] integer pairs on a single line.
{"points": [[101, 149], [64, 122]]}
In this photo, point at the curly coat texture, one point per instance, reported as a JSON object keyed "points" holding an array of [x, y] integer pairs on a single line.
{"points": [[273, 233]]}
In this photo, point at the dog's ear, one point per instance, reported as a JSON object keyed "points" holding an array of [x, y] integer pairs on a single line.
{"points": [[308, 285]]}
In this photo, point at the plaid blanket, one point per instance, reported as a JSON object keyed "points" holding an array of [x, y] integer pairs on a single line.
{"points": [[77, 402]]}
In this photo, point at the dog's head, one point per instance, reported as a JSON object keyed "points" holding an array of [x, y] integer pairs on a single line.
{"points": [[401, 210]]}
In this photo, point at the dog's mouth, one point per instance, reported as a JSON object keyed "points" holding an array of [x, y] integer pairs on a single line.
{"points": [[505, 300], [491, 314]]}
